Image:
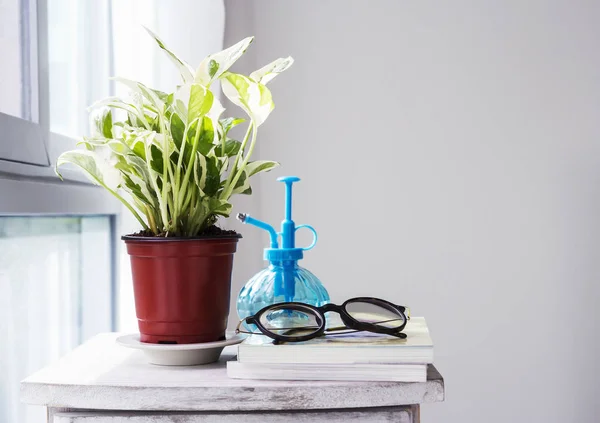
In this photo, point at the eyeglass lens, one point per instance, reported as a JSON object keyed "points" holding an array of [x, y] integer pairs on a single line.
{"points": [[376, 314], [291, 321]]}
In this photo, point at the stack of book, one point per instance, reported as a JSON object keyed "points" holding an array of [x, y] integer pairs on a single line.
{"points": [[357, 356]]}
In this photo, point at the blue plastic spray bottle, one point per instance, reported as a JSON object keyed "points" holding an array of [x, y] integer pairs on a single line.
{"points": [[283, 280]]}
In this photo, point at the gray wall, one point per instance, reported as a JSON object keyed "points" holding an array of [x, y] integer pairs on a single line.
{"points": [[450, 156]]}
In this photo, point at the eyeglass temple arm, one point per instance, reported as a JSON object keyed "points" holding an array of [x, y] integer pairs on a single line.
{"points": [[248, 319], [333, 329]]}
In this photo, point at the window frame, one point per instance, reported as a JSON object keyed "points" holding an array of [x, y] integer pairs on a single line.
{"points": [[27, 146], [22, 138]]}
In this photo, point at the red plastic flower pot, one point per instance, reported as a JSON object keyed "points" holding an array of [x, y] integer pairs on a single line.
{"points": [[182, 287]]}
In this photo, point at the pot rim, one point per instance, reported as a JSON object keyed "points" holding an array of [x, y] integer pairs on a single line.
{"points": [[180, 238]]}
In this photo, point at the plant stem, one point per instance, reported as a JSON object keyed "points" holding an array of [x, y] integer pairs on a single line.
{"points": [[131, 209], [161, 203], [244, 163], [232, 172], [174, 223], [166, 167], [178, 171], [190, 166], [187, 199], [223, 139], [151, 221]]}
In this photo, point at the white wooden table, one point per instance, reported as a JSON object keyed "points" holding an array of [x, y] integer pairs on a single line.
{"points": [[101, 381]]}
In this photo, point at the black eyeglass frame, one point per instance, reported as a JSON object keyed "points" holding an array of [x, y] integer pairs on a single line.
{"points": [[349, 321]]}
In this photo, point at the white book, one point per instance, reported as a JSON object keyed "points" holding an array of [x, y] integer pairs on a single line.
{"points": [[347, 372], [352, 348]]}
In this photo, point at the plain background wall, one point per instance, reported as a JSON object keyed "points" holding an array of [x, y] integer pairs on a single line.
{"points": [[450, 157]]}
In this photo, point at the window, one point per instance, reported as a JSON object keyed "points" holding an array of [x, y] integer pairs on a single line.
{"points": [[56, 290], [57, 277], [57, 270]]}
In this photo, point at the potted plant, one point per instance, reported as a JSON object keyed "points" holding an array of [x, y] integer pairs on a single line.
{"points": [[168, 158]]}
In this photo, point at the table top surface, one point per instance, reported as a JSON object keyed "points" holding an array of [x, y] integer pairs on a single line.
{"points": [[103, 375]]}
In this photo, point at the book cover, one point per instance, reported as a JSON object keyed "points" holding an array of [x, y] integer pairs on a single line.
{"points": [[347, 348], [331, 372]]}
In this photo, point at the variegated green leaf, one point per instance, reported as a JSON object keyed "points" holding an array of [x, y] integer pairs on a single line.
{"points": [[253, 97], [117, 103], [243, 184], [101, 170], [101, 122], [136, 180], [154, 97], [200, 172], [260, 166], [200, 103], [92, 143], [207, 136], [231, 147], [214, 65], [177, 130], [266, 74], [213, 177], [186, 71], [229, 123], [98, 166], [220, 207]]}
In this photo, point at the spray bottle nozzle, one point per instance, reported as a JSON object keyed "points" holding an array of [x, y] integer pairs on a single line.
{"points": [[245, 218]]}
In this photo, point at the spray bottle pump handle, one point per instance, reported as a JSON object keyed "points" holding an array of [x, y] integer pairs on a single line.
{"points": [[288, 227]]}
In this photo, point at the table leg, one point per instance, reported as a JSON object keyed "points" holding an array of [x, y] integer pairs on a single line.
{"points": [[416, 413]]}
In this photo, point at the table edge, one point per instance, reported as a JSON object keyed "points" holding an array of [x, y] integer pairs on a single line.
{"points": [[135, 398]]}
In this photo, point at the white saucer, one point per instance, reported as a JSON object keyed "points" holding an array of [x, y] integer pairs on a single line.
{"points": [[180, 354]]}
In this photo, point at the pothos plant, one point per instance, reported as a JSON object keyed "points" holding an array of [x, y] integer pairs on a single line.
{"points": [[167, 156]]}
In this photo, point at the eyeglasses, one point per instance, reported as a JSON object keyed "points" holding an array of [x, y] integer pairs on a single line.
{"points": [[296, 322]]}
